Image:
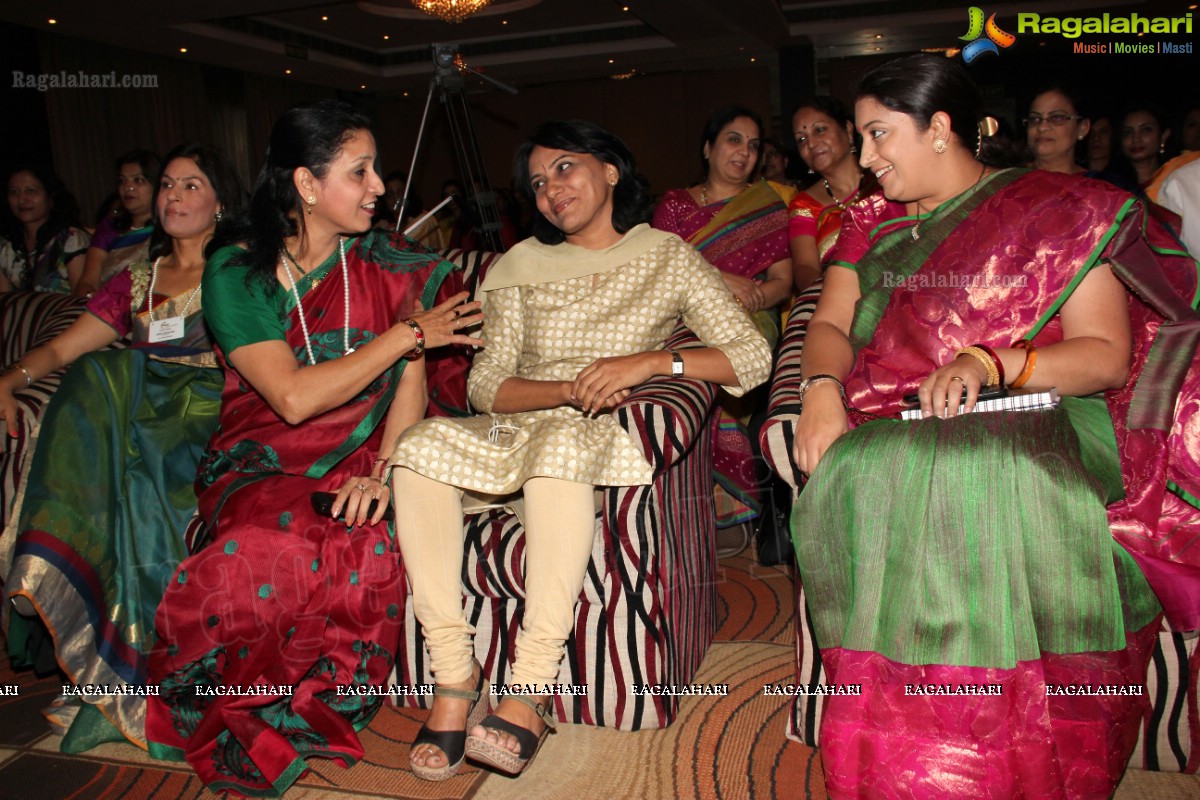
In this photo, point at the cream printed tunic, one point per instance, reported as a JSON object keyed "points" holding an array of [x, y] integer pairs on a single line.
{"points": [[550, 311]]}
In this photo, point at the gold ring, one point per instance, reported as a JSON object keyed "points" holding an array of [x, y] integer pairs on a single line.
{"points": [[957, 378], [362, 487]]}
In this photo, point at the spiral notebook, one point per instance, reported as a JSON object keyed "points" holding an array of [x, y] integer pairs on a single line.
{"points": [[1036, 401]]}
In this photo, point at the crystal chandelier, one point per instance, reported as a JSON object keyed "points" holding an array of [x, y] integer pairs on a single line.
{"points": [[451, 10]]}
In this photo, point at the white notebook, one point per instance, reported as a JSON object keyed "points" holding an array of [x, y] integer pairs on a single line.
{"points": [[1036, 401]]}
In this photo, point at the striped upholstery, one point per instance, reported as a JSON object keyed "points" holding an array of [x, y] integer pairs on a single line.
{"points": [[647, 612], [29, 320], [1170, 740]]}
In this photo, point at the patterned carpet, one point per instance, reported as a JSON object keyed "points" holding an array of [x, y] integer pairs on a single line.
{"points": [[720, 748]]}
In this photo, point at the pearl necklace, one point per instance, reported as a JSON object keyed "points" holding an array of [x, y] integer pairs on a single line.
{"points": [[150, 292], [346, 348]]}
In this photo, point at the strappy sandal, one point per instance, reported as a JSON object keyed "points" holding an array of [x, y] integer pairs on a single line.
{"points": [[451, 743], [497, 755]]}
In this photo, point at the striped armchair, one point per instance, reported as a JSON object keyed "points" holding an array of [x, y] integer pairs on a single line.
{"points": [[647, 612], [28, 320], [1170, 739]]}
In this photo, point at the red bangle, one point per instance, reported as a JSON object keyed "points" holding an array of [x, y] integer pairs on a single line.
{"points": [[419, 335], [992, 355]]}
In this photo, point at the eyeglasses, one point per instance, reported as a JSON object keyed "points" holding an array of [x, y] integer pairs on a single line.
{"points": [[1056, 119]]}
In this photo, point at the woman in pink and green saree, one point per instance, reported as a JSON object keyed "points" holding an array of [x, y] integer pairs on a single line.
{"points": [[992, 582]]}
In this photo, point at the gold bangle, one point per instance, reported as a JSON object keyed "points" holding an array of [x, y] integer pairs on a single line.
{"points": [[978, 353]]}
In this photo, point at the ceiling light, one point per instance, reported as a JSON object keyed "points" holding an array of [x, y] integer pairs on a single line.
{"points": [[451, 10], [183, 49], [503, 22], [287, 72], [612, 61], [752, 59], [362, 86], [324, 19], [52, 21], [386, 37], [879, 36]]}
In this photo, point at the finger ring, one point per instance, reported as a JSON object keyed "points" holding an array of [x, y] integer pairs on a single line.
{"points": [[739, 301], [362, 487], [957, 378], [374, 495], [457, 313]]}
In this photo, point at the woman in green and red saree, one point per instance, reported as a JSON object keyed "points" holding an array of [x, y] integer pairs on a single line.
{"points": [[100, 522], [318, 325], [963, 569]]}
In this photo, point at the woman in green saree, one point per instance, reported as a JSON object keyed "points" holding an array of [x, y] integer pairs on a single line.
{"points": [[109, 495]]}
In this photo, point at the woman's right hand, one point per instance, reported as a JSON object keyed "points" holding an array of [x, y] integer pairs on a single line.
{"points": [[9, 411], [440, 323], [748, 292], [822, 422]]}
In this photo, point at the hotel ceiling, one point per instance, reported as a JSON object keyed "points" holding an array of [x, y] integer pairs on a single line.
{"points": [[384, 45]]}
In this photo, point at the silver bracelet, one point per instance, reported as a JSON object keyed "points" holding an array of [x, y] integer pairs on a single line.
{"points": [[28, 377]]}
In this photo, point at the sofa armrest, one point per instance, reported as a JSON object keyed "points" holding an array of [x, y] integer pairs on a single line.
{"points": [[783, 409], [667, 415], [31, 319]]}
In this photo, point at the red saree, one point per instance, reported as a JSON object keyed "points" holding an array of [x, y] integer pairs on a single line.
{"points": [[1001, 550], [261, 632]]}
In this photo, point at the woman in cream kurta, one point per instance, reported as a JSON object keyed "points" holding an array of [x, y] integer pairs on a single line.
{"points": [[543, 326], [573, 320]]}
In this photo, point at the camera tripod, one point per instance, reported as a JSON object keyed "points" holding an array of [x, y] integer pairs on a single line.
{"points": [[450, 84]]}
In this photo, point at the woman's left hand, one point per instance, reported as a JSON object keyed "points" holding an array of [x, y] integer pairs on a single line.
{"points": [[605, 382], [746, 291], [356, 496], [941, 392]]}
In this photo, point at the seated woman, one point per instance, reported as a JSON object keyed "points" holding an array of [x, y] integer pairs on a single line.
{"points": [[575, 319], [318, 326], [96, 548], [982, 571], [1144, 138], [825, 138], [1055, 127], [741, 228], [738, 225], [122, 241], [41, 245]]}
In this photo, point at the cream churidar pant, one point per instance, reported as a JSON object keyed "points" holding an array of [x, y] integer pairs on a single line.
{"points": [[559, 530]]}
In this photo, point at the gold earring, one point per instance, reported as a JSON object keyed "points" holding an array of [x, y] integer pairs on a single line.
{"points": [[310, 201], [940, 146]]}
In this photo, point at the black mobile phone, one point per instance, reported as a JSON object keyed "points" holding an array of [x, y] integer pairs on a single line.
{"points": [[322, 503], [913, 401]]}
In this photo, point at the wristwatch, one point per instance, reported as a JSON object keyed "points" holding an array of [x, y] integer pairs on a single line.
{"points": [[676, 363], [808, 383]]}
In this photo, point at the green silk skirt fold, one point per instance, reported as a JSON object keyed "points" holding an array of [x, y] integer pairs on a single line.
{"points": [[975, 541], [107, 500]]}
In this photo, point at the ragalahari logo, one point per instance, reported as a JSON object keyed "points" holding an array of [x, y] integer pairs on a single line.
{"points": [[996, 38]]}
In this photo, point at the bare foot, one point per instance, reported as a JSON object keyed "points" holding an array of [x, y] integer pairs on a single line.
{"points": [[517, 713], [447, 714]]}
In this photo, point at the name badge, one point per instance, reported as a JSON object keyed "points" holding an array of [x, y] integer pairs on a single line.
{"points": [[165, 330]]}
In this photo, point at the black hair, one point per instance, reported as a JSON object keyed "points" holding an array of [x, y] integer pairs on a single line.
{"points": [[231, 194], [836, 111], [64, 211], [309, 136], [920, 85], [631, 196], [150, 166], [716, 123], [1080, 100]]}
